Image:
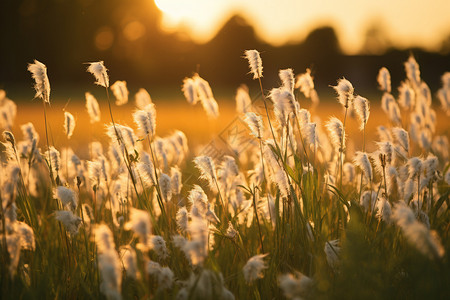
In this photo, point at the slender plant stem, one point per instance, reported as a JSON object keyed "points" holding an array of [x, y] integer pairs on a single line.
{"points": [[95, 203], [110, 110], [157, 186], [301, 137], [68, 249], [221, 201], [262, 161], [120, 141], [273, 134], [268, 117], [48, 144], [85, 232], [30, 210], [257, 221], [264, 176], [4, 246], [418, 194], [384, 175], [67, 161], [364, 146], [364, 138], [314, 160], [155, 168], [155, 165], [342, 145]]}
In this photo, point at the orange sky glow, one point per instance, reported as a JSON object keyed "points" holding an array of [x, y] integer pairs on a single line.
{"points": [[406, 23]]}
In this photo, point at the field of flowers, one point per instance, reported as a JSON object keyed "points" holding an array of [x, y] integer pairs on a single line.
{"points": [[281, 208]]}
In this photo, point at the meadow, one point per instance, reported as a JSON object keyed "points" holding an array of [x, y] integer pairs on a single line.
{"points": [[279, 194]]}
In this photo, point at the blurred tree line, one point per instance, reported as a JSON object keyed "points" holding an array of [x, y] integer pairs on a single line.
{"points": [[126, 35]]}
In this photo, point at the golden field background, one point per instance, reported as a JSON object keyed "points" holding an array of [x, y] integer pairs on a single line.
{"points": [[177, 114]]}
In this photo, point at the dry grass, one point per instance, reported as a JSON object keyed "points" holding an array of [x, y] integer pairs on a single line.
{"points": [[177, 114], [277, 219]]}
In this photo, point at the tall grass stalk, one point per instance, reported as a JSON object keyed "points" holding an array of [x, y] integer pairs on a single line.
{"points": [[125, 154], [341, 151], [316, 230], [157, 186], [301, 138], [268, 116], [257, 219], [27, 206], [48, 144], [264, 181], [85, 233], [364, 150]]}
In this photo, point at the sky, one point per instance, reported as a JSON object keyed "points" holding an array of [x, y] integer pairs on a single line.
{"points": [[407, 23]]}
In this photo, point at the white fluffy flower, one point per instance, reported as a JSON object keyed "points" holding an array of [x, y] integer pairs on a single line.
{"points": [[98, 69], [255, 63], [254, 268], [71, 222], [42, 85]]}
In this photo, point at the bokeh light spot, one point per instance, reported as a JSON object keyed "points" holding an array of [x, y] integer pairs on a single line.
{"points": [[134, 30], [104, 38]]}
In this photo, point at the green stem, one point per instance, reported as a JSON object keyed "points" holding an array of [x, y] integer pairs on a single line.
{"points": [[85, 231], [221, 201], [301, 136], [158, 188], [257, 221], [29, 206]]}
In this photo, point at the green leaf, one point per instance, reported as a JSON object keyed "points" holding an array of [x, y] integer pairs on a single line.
{"points": [[338, 193], [291, 173]]}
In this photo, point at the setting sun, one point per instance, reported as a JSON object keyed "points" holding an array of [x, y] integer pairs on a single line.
{"points": [[176, 9], [406, 24], [201, 19]]}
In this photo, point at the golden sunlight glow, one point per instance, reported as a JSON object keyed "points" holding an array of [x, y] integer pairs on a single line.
{"points": [[201, 19], [406, 23], [176, 9], [104, 38], [134, 30]]}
